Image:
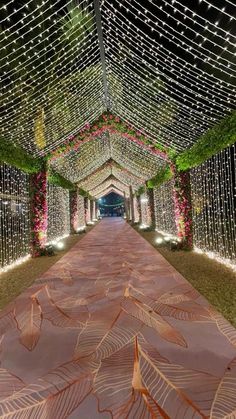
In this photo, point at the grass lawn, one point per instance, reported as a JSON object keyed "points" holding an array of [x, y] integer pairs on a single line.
{"points": [[16, 280]]}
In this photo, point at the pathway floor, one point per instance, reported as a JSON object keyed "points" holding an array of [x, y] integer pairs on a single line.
{"points": [[113, 330]]}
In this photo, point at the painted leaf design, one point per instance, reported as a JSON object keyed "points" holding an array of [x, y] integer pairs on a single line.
{"points": [[7, 320], [55, 314], [94, 331], [65, 275], [70, 305], [185, 310], [183, 292], [55, 395], [224, 326], [118, 386], [123, 330], [175, 389], [224, 404], [9, 383], [29, 321], [145, 314]]}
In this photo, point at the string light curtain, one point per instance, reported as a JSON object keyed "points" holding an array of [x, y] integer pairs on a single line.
{"points": [[146, 219], [171, 70], [164, 208], [58, 212], [51, 72], [99, 150], [109, 169], [14, 215], [136, 210], [81, 211], [213, 186]]}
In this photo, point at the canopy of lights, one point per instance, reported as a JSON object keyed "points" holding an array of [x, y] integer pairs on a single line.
{"points": [[109, 94]]}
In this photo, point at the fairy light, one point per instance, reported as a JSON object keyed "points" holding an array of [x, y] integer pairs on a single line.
{"points": [[14, 216], [213, 199], [58, 213], [81, 212], [107, 191], [107, 183], [164, 208], [132, 157], [146, 219]]}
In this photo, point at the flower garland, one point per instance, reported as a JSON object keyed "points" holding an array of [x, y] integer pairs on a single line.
{"points": [[39, 211], [114, 125], [183, 209]]}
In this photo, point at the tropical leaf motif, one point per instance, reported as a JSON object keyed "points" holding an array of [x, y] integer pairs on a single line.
{"points": [[131, 381], [1, 340], [123, 330], [183, 292], [224, 326], [29, 321], [66, 276], [54, 313], [94, 331], [70, 305], [181, 393], [145, 314], [9, 384], [7, 320], [224, 403], [55, 395], [185, 310], [118, 386]]}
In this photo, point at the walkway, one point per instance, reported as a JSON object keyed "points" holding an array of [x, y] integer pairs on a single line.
{"points": [[112, 330]]}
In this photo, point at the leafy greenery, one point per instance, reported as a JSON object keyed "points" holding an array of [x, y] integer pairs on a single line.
{"points": [[212, 142], [84, 193], [140, 191], [162, 176], [16, 156], [59, 180]]}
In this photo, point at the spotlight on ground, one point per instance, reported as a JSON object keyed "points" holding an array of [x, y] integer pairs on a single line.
{"points": [[81, 229], [60, 245], [159, 240], [143, 226]]}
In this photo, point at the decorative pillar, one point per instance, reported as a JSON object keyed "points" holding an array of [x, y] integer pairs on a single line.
{"points": [[151, 206], [126, 206], [146, 220], [73, 211], [183, 208], [136, 209], [86, 210], [139, 209], [131, 204], [91, 210], [94, 213], [39, 211]]}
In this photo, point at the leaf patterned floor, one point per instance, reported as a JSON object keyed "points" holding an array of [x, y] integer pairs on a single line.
{"points": [[113, 331]]}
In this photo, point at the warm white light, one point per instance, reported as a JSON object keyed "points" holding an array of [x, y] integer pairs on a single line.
{"points": [[15, 264], [159, 240], [143, 226], [60, 245], [81, 229]]}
